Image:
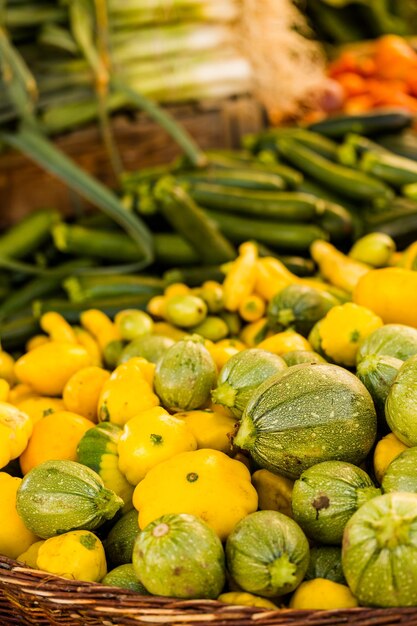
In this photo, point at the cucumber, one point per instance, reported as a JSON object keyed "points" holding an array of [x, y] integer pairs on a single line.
{"points": [[368, 124], [241, 178], [189, 220], [280, 205], [314, 141], [84, 288], [282, 236], [351, 183], [28, 235], [404, 144], [391, 168], [193, 276]]}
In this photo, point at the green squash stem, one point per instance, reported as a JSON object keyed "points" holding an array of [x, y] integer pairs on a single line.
{"points": [[391, 532], [224, 394], [108, 503], [246, 435], [282, 572], [367, 493]]}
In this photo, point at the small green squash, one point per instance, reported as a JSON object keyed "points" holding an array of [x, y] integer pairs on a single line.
{"points": [[149, 347], [297, 357], [379, 552], [179, 555], [305, 415], [119, 542], [267, 554], [401, 474], [298, 307], [401, 403], [97, 449], [241, 376], [58, 496], [377, 372], [325, 497], [397, 340], [326, 562], [124, 576], [185, 375]]}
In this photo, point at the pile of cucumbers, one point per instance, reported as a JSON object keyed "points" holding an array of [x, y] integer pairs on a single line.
{"points": [[335, 180]]}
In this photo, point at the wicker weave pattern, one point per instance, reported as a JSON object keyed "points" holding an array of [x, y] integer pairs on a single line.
{"points": [[29, 597]]}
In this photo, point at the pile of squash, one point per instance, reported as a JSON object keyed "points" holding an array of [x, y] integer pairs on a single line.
{"points": [[265, 428]]}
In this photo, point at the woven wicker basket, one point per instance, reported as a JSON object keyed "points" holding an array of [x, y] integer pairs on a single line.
{"points": [[30, 597]]}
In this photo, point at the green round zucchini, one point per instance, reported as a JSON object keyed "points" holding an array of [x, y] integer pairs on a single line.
{"points": [[267, 554], [241, 376], [305, 415], [185, 375], [325, 497], [179, 555], [58, 496], [298, 307]]}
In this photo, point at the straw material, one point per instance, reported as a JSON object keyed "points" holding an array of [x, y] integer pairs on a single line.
{"points": [[29, 597]]}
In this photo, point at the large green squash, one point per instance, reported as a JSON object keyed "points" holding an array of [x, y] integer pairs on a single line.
{"points": [[401, 403], [305, 415], [267, 553], [401, 473], [185, 375], [149, 347], [297, 357], [298, 307], [326, 562], [377, 372], [58, 496], [119, 542], [379, 552], [325, 497], [241, 376], [179, 555], [397, 340]]}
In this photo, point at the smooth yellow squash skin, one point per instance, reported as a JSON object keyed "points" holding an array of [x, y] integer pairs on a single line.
{"points": [[205, 483]]}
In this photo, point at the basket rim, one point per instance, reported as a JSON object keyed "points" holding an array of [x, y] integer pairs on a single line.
{"points": [[61, 593]]}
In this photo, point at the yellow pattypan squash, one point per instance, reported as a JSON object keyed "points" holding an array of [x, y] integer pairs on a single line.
{"points": [[343, 327], [387, 449], [38, 407], [47, 368], [30, 556], [78, 555], [205, 483], [212, 429], [274, 491], [82, 391], [7, 365], [15, 431], [4, 390], [222, 350], [15, 538], [127, 392], [149, 438], [321, 593], [243, 598], [287, 341]]}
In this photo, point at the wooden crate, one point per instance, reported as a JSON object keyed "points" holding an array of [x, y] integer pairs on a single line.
{"points": [[24, 187]]}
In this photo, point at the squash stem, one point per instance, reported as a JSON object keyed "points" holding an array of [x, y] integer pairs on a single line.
{"points": [[282, 572], [246, 435], [225, 395]]}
